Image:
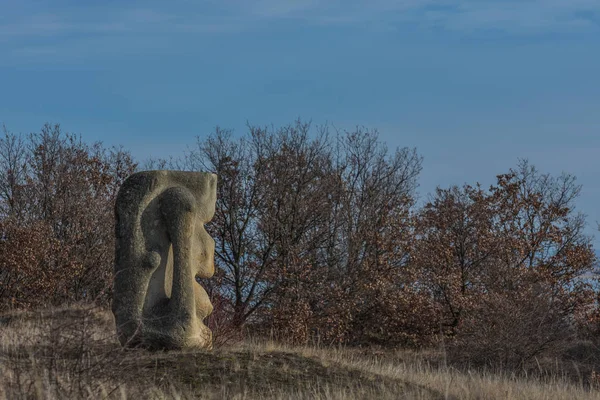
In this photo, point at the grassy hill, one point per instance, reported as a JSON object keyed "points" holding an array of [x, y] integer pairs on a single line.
{"points": [[72, 353]]}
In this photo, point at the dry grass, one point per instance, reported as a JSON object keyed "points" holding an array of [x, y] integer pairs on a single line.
{"points": [[72, 353]]}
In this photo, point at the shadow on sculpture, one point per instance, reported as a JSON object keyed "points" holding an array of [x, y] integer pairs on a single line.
{"points": [[161, 248]]}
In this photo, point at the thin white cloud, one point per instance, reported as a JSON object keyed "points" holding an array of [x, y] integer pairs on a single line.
{"points": [[108, 22], [532, 16], [278, 8], [233, 15], [512, 16]]}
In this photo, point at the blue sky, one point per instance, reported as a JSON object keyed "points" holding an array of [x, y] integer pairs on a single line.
{"points": [[474, 85]]}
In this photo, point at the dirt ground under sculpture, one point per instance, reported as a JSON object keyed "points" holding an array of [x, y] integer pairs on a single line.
{"points": [[161, 250]]}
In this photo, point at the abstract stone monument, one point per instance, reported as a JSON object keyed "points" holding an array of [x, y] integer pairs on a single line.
{"points": [[161, 248]]}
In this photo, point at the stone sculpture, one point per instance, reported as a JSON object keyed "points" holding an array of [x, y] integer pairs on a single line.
{"points": [[161, 248]]}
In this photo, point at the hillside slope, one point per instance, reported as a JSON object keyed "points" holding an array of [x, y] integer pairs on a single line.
{"points": [[72, 353]]}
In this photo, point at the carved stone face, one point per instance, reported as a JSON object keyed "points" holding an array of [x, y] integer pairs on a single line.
{"points": [[161, 248]]}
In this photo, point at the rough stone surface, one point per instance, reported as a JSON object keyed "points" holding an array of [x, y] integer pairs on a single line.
{"points": [[161, 248]]}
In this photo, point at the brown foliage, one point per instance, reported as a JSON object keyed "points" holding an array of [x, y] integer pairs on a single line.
{"points": [[318, 238], [57, 200], [507, 266]]}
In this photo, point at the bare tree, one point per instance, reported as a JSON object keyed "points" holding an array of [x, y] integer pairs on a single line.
{"points": [[299, 217], [13, 164]]}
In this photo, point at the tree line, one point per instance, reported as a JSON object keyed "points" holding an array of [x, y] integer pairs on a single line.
{"points": [[320, 238]]}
